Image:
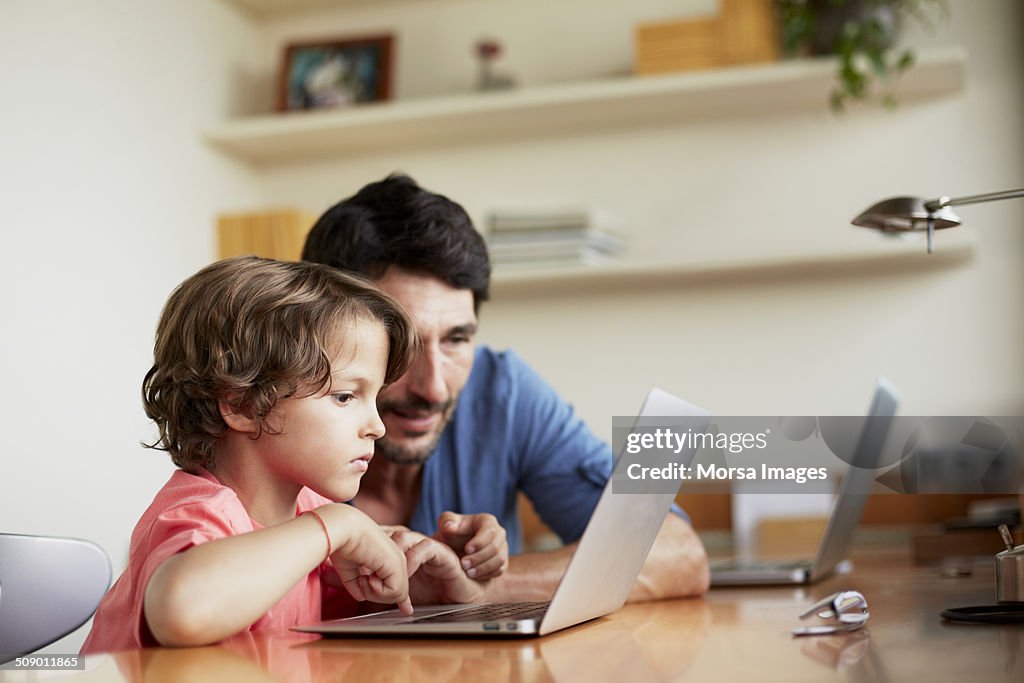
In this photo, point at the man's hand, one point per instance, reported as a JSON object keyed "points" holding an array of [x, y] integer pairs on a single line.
{"points": [[435, 575], [478, 539]]}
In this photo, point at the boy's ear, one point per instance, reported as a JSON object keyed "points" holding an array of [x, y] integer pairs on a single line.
{"points": [[237, 418]]}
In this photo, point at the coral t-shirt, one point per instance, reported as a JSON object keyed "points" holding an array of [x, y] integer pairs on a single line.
{"points": [[189, 510]]}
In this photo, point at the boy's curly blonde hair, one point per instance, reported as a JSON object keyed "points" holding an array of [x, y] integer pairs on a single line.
{"points": [[251, 331]]}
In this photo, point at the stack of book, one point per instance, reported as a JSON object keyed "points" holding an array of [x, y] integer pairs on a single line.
{"points": [[568, 236]]}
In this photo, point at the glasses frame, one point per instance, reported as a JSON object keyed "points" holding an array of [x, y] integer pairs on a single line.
{"points": [[849, 609]]}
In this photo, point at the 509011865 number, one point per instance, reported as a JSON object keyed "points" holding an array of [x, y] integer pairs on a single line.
{"points": [[44, 663]]}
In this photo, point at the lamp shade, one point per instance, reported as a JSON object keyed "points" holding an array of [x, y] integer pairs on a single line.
{"points": [[903, 214]]}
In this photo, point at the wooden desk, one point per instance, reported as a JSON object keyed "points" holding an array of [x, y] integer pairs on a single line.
{"points": [[733, 634]]}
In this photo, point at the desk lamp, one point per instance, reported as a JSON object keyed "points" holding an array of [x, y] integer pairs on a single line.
{"points": [[905, 214]]}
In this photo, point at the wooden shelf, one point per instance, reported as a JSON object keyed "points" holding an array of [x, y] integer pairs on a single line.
{"points": [[264, 9], [583, 107], [885, 254]]}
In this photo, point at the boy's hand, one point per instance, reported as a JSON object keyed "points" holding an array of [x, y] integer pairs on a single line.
{"points": [[435, 575], [371, 566], [478, 539]]}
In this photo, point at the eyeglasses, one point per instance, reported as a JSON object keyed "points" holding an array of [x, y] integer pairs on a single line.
{"points": [[848, 609]]}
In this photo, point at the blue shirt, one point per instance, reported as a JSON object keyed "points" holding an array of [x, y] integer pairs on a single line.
{"points": [[510, 431]]}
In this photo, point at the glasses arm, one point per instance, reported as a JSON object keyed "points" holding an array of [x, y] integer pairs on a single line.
{"points": [[837, 604]]}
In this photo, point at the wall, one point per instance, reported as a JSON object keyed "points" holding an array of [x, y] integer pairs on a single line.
{"points": [[108, 197], [752, 183]]}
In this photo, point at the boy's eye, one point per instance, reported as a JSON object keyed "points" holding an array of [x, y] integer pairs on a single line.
{"points": [[344, 397]]}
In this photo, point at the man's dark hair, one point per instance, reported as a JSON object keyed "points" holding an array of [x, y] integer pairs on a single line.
{"points": [[395, 222]]}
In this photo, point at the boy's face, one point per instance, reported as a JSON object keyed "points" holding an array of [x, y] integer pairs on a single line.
{"points": [[417, 407], [326, 440]]}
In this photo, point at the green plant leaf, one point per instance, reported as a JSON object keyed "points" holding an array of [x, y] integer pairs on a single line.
{"points": [[852, 79], [863, 45], [905, 61], [837, 101], [876, 58]]}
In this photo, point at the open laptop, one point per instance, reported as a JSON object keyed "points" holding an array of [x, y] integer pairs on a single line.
{"points": [[843, 519], [597, 581]]}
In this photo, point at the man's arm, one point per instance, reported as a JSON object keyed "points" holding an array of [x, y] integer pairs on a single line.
{"points": [[530, 576], [676, 567], [563, 468]]}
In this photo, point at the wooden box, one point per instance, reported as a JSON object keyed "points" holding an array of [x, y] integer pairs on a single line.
{"points": [[278, 234], [676, 46], [743, 32], [748, 32]]}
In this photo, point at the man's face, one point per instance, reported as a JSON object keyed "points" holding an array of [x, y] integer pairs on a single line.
{"points": [[417, 407]]}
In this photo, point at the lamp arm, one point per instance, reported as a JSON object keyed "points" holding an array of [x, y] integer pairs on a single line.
{"points": [[936, 204]]}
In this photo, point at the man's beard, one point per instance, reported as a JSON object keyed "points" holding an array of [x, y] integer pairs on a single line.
{"points": [[407, 455]]}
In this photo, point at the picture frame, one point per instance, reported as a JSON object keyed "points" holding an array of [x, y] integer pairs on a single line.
{"points": [[336, 72]]}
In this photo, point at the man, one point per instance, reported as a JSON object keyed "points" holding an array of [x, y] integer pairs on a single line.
{"points": [[467, 428]]}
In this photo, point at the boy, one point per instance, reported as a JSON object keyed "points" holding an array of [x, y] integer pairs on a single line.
{"points": [[263, 388]]}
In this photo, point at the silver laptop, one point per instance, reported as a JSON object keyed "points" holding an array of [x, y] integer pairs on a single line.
{"points": [[597, 581], [842, 521]]}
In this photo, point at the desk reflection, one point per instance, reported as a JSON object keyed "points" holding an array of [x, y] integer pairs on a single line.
{"points": [[850, 654], [635, 646], [246, 657], [648, 642], [730, 634]]}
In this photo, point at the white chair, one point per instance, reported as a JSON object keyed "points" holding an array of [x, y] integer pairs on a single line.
{"points": [[48, 588]]}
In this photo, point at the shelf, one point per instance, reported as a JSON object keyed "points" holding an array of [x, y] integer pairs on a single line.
{"points": [[582, 107], [881, 255], [264, 9]]}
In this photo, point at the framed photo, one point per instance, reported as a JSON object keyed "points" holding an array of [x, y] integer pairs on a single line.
{"points": [[336, 73]]}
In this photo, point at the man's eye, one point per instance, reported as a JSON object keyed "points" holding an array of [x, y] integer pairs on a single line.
{"points": [[344, 397]]}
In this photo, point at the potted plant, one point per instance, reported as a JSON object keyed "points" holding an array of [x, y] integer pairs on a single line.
{"points": [[862, 33]]}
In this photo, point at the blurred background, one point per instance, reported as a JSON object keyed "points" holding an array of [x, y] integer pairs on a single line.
{"points": [[131, 129]]}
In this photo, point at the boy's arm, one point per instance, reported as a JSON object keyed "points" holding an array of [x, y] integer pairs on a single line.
{"points": [[219, 588], [677, 566]]}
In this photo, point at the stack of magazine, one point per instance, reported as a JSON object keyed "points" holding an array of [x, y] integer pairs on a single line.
{"points": [[563, 236]]}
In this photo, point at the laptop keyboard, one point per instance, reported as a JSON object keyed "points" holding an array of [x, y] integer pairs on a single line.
{"points": [[494, 612]]}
